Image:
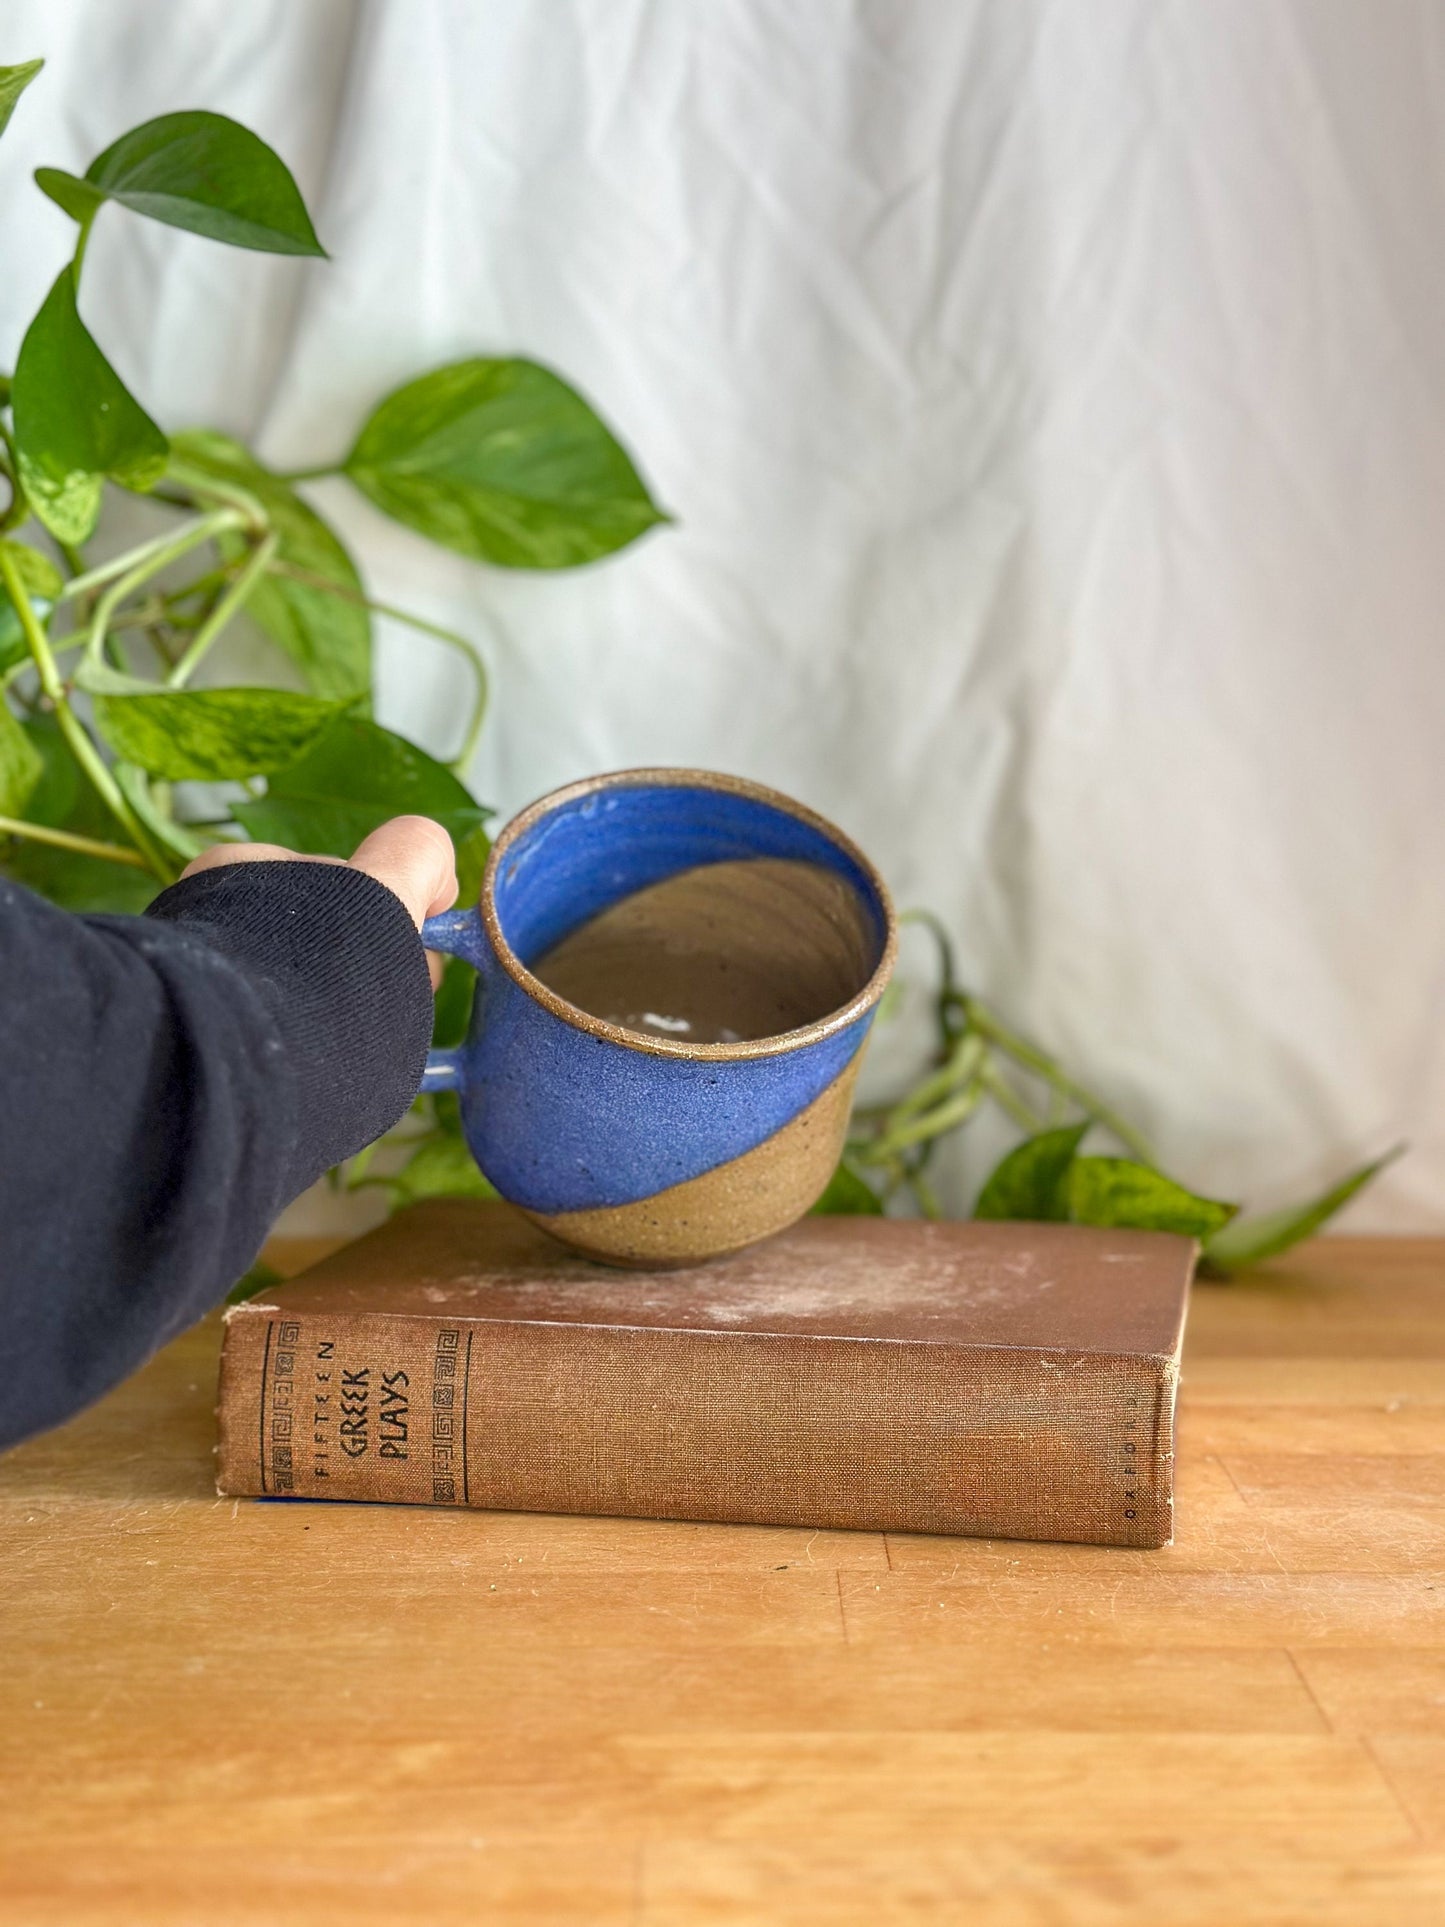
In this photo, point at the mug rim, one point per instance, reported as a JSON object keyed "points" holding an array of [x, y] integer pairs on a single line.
{"points": [[777, 1045]]}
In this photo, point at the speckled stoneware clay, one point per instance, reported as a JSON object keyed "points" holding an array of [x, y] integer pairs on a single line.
{"points": [[677, 973]]}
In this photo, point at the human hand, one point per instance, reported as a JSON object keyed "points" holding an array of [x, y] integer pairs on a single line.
{"points": [[411, 855]]}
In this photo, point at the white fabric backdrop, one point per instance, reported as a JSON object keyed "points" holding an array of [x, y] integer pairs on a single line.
{"points": [[1051, 397]]}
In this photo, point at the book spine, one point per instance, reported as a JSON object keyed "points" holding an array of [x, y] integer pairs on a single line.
{"points": [[744, 1428]]}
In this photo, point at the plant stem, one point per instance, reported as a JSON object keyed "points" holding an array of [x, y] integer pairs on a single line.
{"points": [[1032, 1058], [897, 1141], [947, 967], [479, 673], [946, 1001], [200, 585], [149, 614], [1008, 1100], [146, 562], [964, 1062], [927, 1198], [119, 564], [228, 605], [1010, 1103], [71, 727], [17, 508], [434, 629], [357, 1168], [82, 242], [316, 474], [947, 1117], [199, 482], [66, 840]]}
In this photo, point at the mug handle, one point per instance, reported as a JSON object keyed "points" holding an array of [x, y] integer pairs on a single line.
{"points": [[456, 933]]}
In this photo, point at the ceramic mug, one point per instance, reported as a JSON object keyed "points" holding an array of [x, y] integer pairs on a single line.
{"points": [[635, 1136]]}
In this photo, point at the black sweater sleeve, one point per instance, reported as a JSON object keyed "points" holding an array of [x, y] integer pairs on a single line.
{"points": [[167, 1084]]}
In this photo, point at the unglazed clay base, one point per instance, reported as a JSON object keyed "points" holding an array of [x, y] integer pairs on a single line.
{"points": [[728, 1207]]}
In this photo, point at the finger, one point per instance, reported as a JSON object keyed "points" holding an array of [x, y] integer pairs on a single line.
{"points": [[220, 854], [414, 858]]}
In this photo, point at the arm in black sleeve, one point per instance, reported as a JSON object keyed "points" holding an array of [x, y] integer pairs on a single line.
{"points": [[167, 1084]]}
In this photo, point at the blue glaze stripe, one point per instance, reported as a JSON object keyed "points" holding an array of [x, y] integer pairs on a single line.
{"points": [[630, 1125]]}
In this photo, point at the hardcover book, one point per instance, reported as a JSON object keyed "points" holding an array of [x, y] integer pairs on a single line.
{"points": [[1004, 1380]]}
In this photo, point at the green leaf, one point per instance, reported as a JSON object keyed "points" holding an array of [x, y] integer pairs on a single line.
{"points": [[473, 847], [64, 800], [198, 171], [453, 1003], [352, 779], [1255, 1239], [13, 82], [848, 1196], [1032, 1182], [440, 1167], [261, 1277], [327, 636], [20, 764], [38, 575], [446, 1111], [1116, 1191], [59, 796], [212, 734], [13, 646], [76, 421], [72, 196], [153, 810], [502, 461]]}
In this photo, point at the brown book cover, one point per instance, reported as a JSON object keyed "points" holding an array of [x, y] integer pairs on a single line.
{"points": [[1008, 1380]]}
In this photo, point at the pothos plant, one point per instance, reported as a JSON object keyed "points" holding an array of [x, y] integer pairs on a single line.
{"points": [[116, 768], [979, 1060]]}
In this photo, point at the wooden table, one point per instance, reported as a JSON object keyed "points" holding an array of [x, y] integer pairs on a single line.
{"points": [[216, 1712]]}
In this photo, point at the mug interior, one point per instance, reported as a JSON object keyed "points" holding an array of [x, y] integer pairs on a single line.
{"points": [[656, 892]]}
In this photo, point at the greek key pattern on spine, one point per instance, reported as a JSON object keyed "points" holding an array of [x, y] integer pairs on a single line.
{"points": [[444, 1441], [282, 1405]]}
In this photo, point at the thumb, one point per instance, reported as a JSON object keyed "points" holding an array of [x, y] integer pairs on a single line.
{"points": [[414, 858]]}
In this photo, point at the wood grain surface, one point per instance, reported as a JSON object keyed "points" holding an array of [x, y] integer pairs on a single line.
{"points": [[220, 1712]]}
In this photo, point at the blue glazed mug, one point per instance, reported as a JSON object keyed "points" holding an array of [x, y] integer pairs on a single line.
{"points": [[636, 1135]]}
